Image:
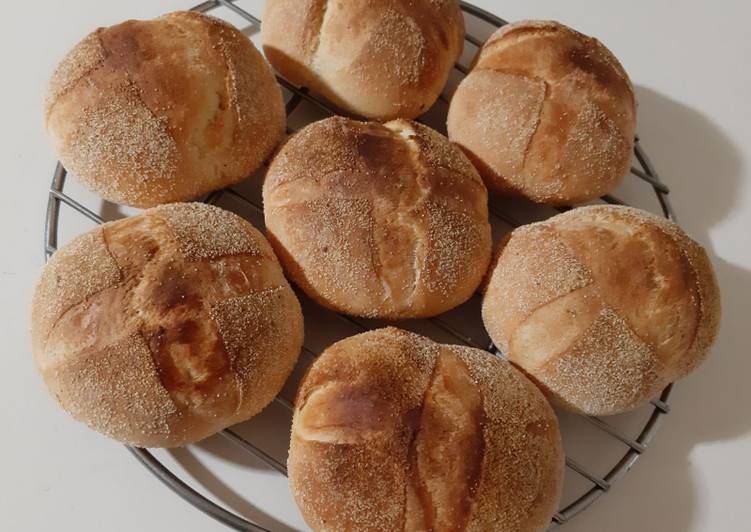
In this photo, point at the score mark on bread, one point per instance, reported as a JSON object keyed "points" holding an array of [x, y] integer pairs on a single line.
{"points": [[379, 220], [163, 328], [546, 113], [603, 305], [380, 59], [446, 452], [153, 111], [395, 432]]}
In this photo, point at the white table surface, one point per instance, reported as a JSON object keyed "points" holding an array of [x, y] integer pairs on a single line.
{"points": [[690, 63]]}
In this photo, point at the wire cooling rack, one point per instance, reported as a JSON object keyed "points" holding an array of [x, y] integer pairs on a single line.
{"points": [[582, 482]]}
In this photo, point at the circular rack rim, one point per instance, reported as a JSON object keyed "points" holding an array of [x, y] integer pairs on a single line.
{"points": [[599, 485]]}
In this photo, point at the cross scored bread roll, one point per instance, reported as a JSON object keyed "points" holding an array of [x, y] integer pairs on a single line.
{"points": [[603, 306], [380, 59], [164, 328], [154, 111], [393, 431], [378, 220], [546, 113]]}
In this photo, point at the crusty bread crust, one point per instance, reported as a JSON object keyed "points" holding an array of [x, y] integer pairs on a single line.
{"points": [[379, 59], [392, 431], [546, 113], [163, 328], [603, 306], [149, 112], [378, 220]]}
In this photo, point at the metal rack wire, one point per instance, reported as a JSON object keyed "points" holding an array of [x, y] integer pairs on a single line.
{"points": [[633, 446]]}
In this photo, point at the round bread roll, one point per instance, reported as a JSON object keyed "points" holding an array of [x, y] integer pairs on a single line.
{"points": [[378, 220], [392, 431], [380, 59], [546, 113], [603, 306], [164, 328], [149, 112]]}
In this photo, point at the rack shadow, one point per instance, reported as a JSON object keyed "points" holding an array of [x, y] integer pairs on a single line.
{"points": [[228, 496], [702, 165]]}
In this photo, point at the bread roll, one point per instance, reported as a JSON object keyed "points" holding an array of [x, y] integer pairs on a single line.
{"points": [[392, 431], [380, 59], [603, 306], [546, 113], [149, 112], [164, 328], [378, 220]]}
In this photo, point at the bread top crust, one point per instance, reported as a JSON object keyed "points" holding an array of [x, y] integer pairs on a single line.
{"points": [[162, 328], [376, 219], [395, 432], [546, 112], [603, 305], [147, 112], [380, 59]]}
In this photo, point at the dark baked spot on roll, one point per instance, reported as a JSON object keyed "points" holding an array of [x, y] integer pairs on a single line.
{"points": [[174, 292], [378, 149], [190, 359], [587, 61], [443, 38], [123, 44]]}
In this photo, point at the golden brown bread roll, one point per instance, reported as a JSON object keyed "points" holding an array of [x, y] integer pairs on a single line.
{"points": [[392, 431], [380, 59], [154, 111], [603, 306], [378, 220], [546, 113], [161, 329]]}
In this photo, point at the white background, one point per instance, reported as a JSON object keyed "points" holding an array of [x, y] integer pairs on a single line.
{"points": [[690, 64]]}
